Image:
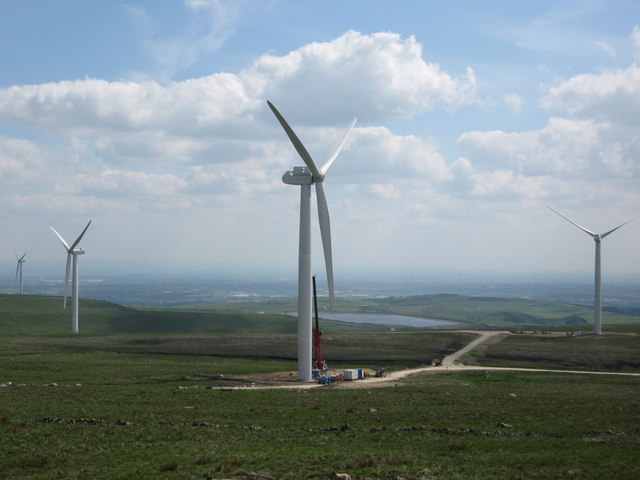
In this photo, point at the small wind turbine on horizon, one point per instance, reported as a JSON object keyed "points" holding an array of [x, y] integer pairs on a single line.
{"points": [[21, 260], [72, 252], [597, 293], [305, 176]]}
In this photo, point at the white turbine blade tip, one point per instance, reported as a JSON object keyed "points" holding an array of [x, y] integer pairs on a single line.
{"points": [[80, 236], [593, 234], [336, 150], [60, 237], [297, 143], [614, 229]]}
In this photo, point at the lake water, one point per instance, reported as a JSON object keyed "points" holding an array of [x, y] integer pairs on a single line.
{"points": [[385, 319]]}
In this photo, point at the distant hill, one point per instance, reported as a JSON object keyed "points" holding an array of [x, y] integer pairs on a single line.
{"points": [[468, 311], [498, 312], [20, 314], [27, 314]]}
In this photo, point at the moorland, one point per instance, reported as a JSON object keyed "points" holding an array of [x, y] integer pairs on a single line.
{"points": [[171, 393]]}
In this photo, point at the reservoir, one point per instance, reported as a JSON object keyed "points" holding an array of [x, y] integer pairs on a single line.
{"points": [[385, 319]]}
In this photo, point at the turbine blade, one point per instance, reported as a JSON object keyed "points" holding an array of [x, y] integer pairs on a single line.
{"points": [[26, 254], [60, 237], [17, 270], [574, 223], [619, 226], [80, 237], [300, 148], [66, 279], [325, 232], [336, 150]]}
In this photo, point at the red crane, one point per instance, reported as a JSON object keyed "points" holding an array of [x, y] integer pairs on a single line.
{"points": [[318, 359]]}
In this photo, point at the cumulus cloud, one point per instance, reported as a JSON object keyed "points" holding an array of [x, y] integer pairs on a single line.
{"points": [[635, 38], [91, 105], [513, 101], [112, 182], [379, 76], [21, 161], [562, 146], [613, 95], [375, 77], [376, 152]]}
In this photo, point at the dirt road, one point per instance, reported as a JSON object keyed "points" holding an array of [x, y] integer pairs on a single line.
{"points": [[450, 363]]}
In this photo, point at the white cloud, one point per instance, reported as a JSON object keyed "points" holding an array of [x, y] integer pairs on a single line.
{"points": [[386, 191], [606, 48], [91, 105], [376, 153], [613, 95], [206, 28], [514, 101], [379, 76], [21, 161], [375, 77], [207, 153], [562, 146], [635, 38], [118, 183]]}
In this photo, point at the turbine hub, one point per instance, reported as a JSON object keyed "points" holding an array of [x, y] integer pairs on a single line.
{"points": [[298, 176]]}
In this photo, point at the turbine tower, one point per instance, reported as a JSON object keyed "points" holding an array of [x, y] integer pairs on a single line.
{"points": [[21, 260], [597, 289], [305, 176], [72, 252]]}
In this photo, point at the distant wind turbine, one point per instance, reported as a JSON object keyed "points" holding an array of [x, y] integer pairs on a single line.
{"points": [[72, 252], [21, 260], [305, 177], [597, 293]]}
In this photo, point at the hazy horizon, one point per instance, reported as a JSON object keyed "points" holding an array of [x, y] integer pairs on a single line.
{"points": [[151, 119]]}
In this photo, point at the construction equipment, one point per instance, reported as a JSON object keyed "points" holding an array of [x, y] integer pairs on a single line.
{"points": [[318, 359]]}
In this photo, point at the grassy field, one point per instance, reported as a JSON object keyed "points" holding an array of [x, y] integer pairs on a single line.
{"points": [[44, 315], [141, 406], [126, 400], [470, 312], [618, 350]]}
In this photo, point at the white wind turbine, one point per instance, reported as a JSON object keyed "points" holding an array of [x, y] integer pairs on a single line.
{"points": [[597, 291], [305, 177], [21, 260], [72, 252]]}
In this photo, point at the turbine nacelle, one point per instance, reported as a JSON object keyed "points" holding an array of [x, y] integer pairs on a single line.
{"points": [[298, 176]]}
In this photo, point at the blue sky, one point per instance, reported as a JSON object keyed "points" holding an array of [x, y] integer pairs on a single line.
{"points": [[151, 119]]}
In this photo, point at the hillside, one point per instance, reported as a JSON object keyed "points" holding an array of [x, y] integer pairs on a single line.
{"points": [[45, 315], [470, 311]]}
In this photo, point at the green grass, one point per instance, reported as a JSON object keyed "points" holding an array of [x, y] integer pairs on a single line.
{"points": [[618, 350], [128, 403], [123, 416], [45, 315], [471, 312], [21, 314], [392, 350]]}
